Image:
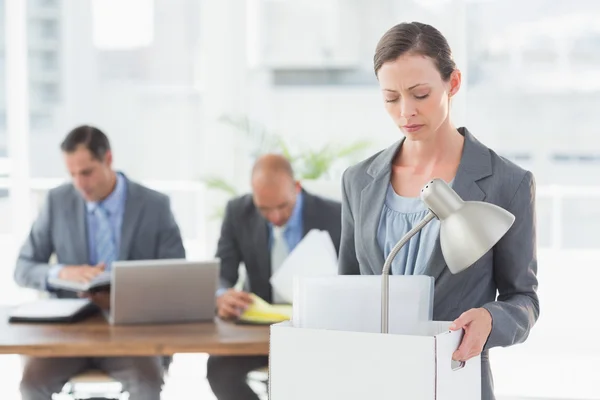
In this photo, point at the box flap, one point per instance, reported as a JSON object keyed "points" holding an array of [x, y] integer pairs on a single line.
{"points": [[435, 328], [453, 377], [327, 364]]}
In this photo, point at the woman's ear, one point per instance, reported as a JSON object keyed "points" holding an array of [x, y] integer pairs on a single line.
{"points": [[455, 81]]}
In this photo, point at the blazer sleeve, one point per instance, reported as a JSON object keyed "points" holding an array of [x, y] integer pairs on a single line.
{"points": [[228, 250], [170, 243], [515, 268], [348, 262], [335, 228], [32, 268]]}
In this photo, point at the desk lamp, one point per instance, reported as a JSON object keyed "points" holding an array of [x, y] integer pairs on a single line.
{"points": [[468, 230]]}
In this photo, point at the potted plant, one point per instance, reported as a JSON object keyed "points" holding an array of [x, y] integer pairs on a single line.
{"points": [[317, 169]]}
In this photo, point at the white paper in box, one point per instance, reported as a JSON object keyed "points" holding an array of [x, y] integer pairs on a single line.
{"points": [[322, 302], [329, 365]]}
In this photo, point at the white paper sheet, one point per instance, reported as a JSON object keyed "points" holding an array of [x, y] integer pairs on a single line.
{"points": [[315, 255], [353, 302], [48, 308]]}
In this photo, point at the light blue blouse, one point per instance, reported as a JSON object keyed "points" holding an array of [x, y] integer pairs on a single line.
{"points": [[398, 216]]}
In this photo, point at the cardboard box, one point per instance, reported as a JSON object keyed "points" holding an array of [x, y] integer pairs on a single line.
{"points": [[340, 365]]}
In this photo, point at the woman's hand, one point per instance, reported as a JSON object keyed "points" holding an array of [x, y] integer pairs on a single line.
{"points": [[477, 323]]}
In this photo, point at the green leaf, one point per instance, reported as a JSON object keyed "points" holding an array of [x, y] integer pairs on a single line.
{"points": [[353, 148], [218, 214], [284, 149], [216, 183], [261, 139], [307, 164]]}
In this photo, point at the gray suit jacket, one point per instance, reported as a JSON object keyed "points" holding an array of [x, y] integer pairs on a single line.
{"points": [[510, 268], [149, 231], [245, 238]]}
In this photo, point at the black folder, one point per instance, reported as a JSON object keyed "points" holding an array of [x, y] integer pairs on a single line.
{"points": [[53, 311]]}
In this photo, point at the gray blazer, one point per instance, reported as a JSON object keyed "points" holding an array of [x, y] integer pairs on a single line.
{"points": [[149, 231], [510, 268], [245, 238]]}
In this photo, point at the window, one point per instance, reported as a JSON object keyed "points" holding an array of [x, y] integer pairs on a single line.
{"points": [[45, 61], [46, 92], [323, 77], [575, 158], [540, 50], [518, 157], [48, 60], [47, 3], [2, 64], [40, 121], [585, 49], [48, 28]]}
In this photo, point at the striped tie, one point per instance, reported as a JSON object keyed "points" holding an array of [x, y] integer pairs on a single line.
{"points": [[105, 241]]}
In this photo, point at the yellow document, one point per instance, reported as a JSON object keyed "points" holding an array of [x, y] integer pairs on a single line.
{"points": [[260, 312]]}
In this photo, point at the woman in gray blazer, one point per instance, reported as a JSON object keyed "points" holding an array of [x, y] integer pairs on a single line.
{"points": [[494, 300]]}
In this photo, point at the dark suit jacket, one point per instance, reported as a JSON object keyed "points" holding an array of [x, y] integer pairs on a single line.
{"points": [[245, 238]]}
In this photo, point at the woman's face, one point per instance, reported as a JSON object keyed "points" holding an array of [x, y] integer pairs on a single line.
{"points": [[416, 96]]}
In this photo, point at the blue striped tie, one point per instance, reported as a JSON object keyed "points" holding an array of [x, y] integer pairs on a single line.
{"points": [[105, 241]]}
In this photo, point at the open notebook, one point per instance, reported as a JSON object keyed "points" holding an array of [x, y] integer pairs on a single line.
{"points": [[100, 282], [53, 310]]}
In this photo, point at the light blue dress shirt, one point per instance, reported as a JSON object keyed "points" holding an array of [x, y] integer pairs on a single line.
{"points": [[294, 229], [398, 216], [115, 205], [293, 233]]}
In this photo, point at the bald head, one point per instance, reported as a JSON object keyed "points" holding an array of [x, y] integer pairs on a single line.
{"points": [[274, 188], [271, 165]]}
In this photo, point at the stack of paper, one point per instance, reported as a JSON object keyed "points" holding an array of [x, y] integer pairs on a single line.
{"points": [[315, 255], [261, 312], [353, 302]]}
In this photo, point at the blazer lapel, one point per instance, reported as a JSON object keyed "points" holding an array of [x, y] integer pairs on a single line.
{"points": [[310, 215], [133, 209], [475, 165], [79, 233], [372, 198], [260, 234]]}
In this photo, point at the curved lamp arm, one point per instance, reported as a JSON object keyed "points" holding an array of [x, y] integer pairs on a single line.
{"points": [[385, 274], [483, 223]]}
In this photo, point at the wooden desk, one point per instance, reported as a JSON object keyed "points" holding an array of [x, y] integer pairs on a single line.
{"points": [[95, 337]]}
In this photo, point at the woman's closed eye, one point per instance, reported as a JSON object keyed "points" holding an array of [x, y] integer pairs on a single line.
{"points": [[421, 96]]}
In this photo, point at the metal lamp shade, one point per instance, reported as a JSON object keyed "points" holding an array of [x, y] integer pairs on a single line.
{"points": [[468, 229], [470, 232]]}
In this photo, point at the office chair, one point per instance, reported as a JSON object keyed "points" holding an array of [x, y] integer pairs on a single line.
{"points": [[93, 385], [258, 379]]}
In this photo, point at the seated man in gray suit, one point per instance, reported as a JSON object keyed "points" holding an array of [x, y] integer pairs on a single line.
{"points": [[101, 217], [260, 229]]}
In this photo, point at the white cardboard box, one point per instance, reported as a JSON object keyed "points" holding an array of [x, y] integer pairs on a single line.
{"points": [[330, 365]]}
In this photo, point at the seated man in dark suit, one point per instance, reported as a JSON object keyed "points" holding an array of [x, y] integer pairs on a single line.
{"points": [[260, 229], [100, 217]]}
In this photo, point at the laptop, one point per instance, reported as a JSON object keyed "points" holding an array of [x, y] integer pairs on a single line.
{"points": [[163, 291]]}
